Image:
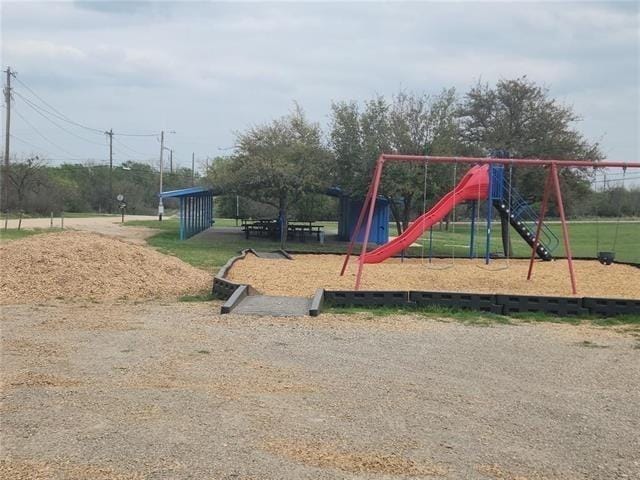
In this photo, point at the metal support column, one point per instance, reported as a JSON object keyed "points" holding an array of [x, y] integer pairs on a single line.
{"points": [[372, 202], [565, 229], [182, 229], [543, 211], [472, 241], [489, 214], [356, 230]]}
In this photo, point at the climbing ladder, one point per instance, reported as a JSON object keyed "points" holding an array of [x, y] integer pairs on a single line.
{"points": [[525, 221]]}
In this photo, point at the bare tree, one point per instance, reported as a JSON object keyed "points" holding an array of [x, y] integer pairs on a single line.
{"points": [[26, 176]]}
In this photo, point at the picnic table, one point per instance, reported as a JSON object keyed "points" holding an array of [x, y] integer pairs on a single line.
{"points": [[301, 229], [261, 228], [271, 228]]}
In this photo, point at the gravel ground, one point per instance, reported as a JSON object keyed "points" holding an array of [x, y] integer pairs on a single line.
{"points": [[175, 391]]}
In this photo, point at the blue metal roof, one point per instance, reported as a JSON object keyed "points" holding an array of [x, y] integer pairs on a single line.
{"points": [[187, 192]]}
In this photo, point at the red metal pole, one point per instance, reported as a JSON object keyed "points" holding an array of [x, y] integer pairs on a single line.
{"points": [[356, 230], [543, 211], [565, 230], [372, 203], [507, 161]]}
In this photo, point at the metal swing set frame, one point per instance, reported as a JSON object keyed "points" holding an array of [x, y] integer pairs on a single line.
{"points": [[551, 184]]}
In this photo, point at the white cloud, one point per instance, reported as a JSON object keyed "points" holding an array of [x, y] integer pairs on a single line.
{"points": [[39, 49], [212, 68]]}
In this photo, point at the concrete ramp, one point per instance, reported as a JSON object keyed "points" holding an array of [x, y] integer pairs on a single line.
{"points": [[246, 301], [273, 306]]}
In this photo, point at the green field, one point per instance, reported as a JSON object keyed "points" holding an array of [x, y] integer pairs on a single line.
{"points": [[583, 238], [15, 234], [205, 253], [212, 254]]}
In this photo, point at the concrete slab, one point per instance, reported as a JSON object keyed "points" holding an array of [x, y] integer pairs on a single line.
{"points": [[273, 306]]}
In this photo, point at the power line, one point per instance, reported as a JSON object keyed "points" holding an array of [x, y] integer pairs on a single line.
{"points": [[61, 116], [124, 145], [57, 113], [43, 137], [33, 145], [136, 134], [37, 109]]}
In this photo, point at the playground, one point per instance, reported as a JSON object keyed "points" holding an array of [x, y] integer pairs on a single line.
{"points": [[404, 270], [320, 241], [306, 273]]}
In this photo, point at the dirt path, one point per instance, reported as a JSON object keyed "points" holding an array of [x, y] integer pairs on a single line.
{"points": [[175, 391], [104, 225]]}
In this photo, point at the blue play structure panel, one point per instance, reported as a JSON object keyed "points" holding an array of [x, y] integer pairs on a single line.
{"points": [[379, 223]]}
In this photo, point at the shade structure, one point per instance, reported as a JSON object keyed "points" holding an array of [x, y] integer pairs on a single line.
{"points": [[196, 209]]}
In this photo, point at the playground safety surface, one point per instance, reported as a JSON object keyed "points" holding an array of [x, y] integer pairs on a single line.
{"points": [[306, 273], [78, 265], [174, 391]]}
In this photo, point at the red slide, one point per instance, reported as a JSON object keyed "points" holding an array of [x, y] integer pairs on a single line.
{"points": [[473, 186]]}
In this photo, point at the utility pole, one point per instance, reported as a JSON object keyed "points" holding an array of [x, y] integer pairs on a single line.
{"points": [[193, 168], [110, 204], [160, 206], [7, 129], [171, 160]]}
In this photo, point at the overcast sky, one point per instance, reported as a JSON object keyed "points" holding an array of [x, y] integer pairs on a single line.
{"points": [[206, 70]]}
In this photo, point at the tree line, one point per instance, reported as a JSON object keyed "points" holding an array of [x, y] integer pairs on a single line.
{"points": [[286, 166], [35, 187], [290, 160]]}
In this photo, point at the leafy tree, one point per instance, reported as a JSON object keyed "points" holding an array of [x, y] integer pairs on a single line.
{"points": [[226, 207], [409, 124], [520, 117], [276, 163]]}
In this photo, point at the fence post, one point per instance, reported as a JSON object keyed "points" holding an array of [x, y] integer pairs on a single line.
{"points": [[62, 220], [20, 221], [51, 224]]}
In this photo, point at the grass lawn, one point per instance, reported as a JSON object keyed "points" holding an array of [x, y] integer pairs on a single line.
{"points": [[583, 238], [15, 234], [210, 255]]}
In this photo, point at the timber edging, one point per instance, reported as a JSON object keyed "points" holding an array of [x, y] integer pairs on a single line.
{"points": [[497, 304], [223, 288]]}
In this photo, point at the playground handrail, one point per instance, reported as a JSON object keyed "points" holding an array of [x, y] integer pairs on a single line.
{"points": [[523, 212]]}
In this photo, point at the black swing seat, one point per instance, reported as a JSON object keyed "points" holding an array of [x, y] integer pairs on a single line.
{"points": [[606, 258]]}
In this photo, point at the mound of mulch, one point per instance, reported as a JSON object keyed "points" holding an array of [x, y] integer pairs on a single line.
{"points": [[74, 265]]}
